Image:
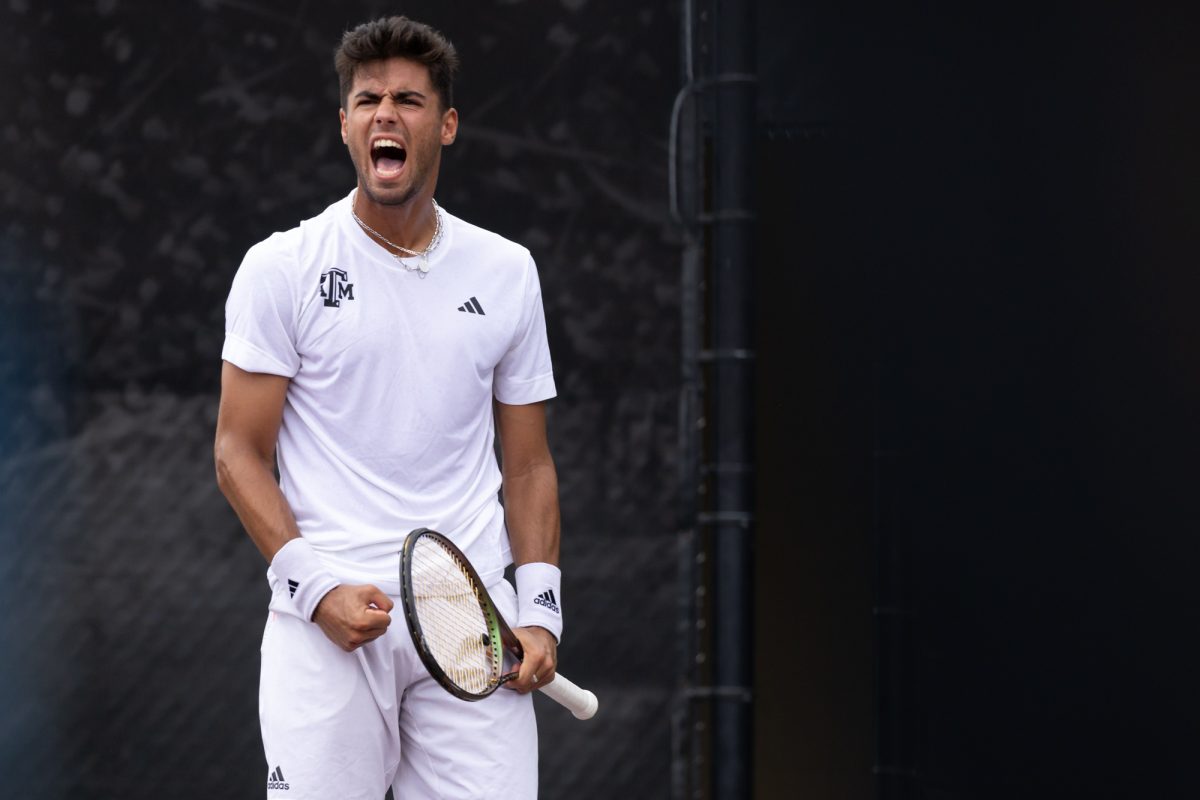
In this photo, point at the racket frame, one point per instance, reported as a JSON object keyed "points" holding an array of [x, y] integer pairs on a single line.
{"points": [[499, 634], [581, 702]]}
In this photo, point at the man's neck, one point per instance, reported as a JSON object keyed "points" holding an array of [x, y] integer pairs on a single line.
{"points": [[410, 224]]}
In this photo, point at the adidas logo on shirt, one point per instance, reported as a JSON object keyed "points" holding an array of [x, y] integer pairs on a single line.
{"points": [[471, 307], [275, 781], [546, 599], [292, 587]]}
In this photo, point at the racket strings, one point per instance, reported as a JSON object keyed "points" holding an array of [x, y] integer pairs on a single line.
{"points": [[453, 622]]}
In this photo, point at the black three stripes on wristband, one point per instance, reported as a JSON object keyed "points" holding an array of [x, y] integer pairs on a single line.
{"points": [[547, 600]]}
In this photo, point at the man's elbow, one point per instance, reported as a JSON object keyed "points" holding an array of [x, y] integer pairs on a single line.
{"points": [[231, 458], [223, 464]]}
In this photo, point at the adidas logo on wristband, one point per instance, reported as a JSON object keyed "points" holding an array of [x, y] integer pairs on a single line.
{"points": [[546, 599], [538, 597]]}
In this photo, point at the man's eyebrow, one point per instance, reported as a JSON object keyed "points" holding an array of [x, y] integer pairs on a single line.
{"points": [[403, 94]]}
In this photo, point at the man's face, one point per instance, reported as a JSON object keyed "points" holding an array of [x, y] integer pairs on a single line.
{"points": [[394, 127]]}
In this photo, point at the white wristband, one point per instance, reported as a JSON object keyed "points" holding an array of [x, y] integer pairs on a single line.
{"points": [[298, 568], [539, 597]]}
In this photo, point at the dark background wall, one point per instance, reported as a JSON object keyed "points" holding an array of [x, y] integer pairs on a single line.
{"points": [[976, 381]]}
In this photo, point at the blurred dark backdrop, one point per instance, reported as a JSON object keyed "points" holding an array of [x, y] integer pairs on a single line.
{"points": [[978, 381], [975, 427]]}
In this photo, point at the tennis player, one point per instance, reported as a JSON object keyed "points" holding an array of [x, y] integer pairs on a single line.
{"points": [[377, 351]]}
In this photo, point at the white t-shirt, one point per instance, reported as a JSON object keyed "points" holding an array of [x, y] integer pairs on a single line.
{"points": [[388, 422]]}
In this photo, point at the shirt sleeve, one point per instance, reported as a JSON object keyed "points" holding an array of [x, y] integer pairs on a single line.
{"points": [[260, 318], [525, 373]]}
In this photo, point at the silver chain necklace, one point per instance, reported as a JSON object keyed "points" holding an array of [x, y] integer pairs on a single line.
{"points": [[423, 264]]}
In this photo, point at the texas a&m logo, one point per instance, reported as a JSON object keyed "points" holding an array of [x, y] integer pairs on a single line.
{"points": [[335, 287]]}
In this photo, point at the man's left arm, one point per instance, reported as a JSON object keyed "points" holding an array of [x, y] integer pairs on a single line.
{"points": [[531, 511]]}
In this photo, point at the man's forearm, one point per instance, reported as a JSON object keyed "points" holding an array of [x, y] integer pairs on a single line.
{"points": [[248, 483], [531, 512]]}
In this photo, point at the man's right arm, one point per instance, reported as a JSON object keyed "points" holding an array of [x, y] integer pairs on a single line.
{"points": [[248, 421]]}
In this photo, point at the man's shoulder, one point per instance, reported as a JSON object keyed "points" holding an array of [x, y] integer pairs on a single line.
{"points": [[469, 235]]}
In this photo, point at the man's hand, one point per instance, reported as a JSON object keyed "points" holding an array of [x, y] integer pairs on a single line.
{"points": [[541, 659], [352, 615]]}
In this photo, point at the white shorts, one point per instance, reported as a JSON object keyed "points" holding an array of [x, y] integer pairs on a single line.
{"points": [[346, 726]]}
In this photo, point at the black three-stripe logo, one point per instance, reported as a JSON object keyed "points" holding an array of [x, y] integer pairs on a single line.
{"points": [[292, 587], [471, 307], [277, 782], [548, 600]]}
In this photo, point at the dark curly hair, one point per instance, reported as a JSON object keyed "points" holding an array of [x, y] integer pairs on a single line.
{"points": [[390, 37]]}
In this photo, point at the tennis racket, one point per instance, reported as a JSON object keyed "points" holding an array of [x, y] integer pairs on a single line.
{"points": [[459, 635]]}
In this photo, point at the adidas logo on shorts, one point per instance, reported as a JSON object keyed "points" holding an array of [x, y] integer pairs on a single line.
{"points": [[275, 781], [546, 599]]}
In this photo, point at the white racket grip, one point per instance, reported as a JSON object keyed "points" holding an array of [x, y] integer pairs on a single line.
{"points": [[580, 702]]}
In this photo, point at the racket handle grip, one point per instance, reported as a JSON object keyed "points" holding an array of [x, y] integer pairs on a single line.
{"points": [[580, 702]]}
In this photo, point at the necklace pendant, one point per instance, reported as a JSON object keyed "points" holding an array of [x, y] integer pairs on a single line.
{"points": [[422, 265]]}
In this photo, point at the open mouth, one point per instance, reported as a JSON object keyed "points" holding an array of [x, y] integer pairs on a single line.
{"points": [[388, 156]]}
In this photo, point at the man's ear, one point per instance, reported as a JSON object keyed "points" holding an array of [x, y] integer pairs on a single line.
{"points": [[342, 119], [449, 126]]}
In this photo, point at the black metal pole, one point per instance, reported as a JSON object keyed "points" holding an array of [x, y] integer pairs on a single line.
{"points": [[685, 170], [732, 393]]}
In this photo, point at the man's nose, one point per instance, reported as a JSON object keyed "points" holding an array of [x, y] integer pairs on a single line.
{"points": [[386, 110]]}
